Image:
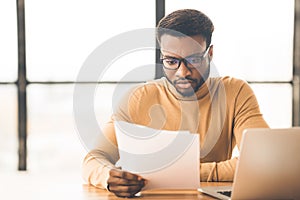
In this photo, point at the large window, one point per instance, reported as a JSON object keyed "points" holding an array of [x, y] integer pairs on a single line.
{"points": [[8, 41], [253, 40], [57, 47], [58, 44], [8, 90], [8, 128]]}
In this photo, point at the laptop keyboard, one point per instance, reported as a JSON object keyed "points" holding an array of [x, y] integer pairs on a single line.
{"points": [[226, 193]]}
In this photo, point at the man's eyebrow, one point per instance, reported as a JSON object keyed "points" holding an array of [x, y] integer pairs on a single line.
{"points": [[199, 54], [166, 56]]}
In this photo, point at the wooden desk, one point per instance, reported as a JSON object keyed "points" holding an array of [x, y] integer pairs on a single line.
{"points": [[95, 193], [26, 186]]}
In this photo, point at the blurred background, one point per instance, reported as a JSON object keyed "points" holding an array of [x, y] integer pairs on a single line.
{"points": [[43, 49]]}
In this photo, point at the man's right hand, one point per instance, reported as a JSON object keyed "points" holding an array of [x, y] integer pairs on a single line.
{"points": [[124, 184]]}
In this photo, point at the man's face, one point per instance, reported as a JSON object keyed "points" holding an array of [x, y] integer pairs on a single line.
{"points": [[189, 77]]}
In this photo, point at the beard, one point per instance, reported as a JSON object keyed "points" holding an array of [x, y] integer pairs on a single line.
{"points": [[192, 90]]}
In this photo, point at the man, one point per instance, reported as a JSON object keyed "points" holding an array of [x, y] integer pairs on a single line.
{"points": [[217, 108]]}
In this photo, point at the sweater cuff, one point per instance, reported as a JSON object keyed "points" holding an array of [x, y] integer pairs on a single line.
{"points": [[105, 178], [208, 171], [100, 177]]}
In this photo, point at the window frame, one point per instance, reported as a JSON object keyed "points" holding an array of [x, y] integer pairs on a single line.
{"points": [[22, 82]]}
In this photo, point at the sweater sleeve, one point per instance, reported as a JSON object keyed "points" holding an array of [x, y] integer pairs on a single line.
{"points": [[218, 171], [98, 162], [246, 115]]}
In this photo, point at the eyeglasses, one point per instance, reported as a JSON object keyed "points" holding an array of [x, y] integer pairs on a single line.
{"points": [[192, 62]]}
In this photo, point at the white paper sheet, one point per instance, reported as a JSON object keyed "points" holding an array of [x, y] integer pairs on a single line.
{"points": [[167, 159]]}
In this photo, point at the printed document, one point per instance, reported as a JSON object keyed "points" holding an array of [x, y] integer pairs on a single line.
{"points": [[167, 159]]}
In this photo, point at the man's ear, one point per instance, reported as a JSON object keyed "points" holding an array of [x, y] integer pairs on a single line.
{"points": [[211, 52]]}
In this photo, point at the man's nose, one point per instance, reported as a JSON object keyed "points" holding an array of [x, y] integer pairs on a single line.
{"points": [[183, 70]]}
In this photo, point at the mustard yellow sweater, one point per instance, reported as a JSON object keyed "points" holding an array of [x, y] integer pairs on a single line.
{"points": [[220, 110]]}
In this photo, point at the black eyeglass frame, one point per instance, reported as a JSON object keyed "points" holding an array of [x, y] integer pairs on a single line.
{"points": [[184, 60]]}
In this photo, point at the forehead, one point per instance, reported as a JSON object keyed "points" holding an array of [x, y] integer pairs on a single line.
{"points": [[182, 46]]}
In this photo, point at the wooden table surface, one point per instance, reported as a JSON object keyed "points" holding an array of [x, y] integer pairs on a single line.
{"points": [[95, 193], [26, 186]]}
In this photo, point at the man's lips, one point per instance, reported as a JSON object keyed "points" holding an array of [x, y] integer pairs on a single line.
{"points": [[184, 84]]}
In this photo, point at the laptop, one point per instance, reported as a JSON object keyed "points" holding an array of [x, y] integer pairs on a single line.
{"points": [[268, 166]]}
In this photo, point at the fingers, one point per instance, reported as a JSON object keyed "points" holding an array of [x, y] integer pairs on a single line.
{"points": [[125, 184], [125, 191], [124, 175], [122, 181]]}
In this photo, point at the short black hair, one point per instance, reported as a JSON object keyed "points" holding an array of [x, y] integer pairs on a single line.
{"points": [[187, 22]]}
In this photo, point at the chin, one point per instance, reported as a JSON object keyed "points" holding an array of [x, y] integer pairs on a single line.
{"points": [[186, 92]]}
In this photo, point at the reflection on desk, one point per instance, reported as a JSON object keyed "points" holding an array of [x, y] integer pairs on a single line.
{"points": [[28, 186]]}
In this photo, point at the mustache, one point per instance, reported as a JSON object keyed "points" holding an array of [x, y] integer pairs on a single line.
{"points": [[184, 80]]}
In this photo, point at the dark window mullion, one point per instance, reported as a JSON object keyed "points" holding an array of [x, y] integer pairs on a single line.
{"points": [[21, 85], [159, 13], [296, 67]]}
